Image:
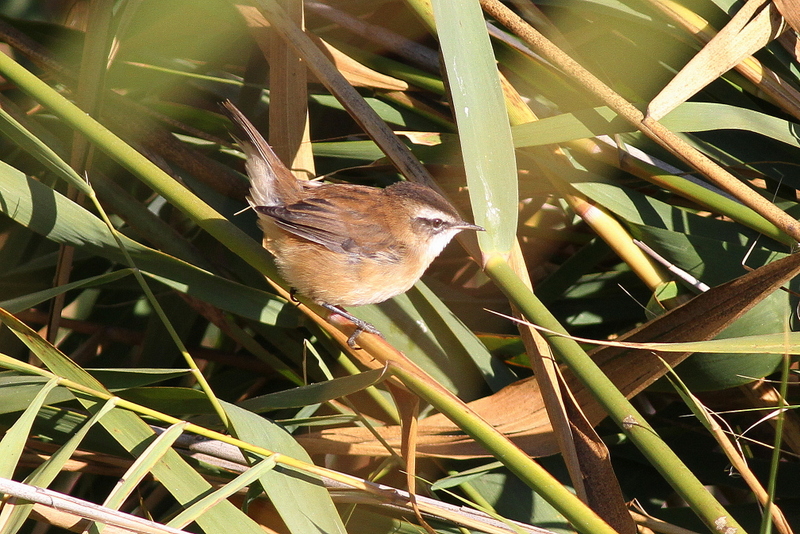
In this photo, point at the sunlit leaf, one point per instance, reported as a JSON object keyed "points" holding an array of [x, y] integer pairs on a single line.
{"points": [[483, 127]]}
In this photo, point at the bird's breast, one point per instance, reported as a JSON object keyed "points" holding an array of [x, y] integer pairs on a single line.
{"points": [[346, 279]]}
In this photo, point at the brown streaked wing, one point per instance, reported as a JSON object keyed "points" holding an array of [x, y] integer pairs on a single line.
{"points": [[329, 224]]}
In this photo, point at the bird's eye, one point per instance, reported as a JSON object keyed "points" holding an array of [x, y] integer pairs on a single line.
{"points": [[432, 224]]}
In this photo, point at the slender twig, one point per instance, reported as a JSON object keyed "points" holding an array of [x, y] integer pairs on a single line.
{"points": [[85, 509]]}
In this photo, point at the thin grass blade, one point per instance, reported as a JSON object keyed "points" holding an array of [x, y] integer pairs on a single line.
{"points": [[314, 393], [183, 482], [23, 138], [13, 516], [290, 493], [25, 200], [143, 465], [13, 441], [209, 501], [29, 300]]}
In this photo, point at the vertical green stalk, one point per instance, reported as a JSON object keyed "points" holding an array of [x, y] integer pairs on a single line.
{"points": [[196, 372], [766, 522], [614, 402]]}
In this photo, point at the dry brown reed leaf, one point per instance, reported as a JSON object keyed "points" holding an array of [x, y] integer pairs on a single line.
{"points": [[751, 29], [790, 10], [518, 410]]}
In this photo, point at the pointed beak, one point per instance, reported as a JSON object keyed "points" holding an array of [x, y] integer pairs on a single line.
{"points": [[464, 225]]}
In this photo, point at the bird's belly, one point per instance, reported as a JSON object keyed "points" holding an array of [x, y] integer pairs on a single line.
{"points": [[338, 280]]}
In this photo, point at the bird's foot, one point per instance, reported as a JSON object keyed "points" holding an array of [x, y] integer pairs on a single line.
{"points": [[361, 325]]}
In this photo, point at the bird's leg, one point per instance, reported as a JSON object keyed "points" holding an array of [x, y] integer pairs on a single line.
{"points": [[361, 326], [292, 293]]}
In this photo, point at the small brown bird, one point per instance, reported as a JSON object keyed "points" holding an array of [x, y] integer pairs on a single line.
{"points": [[341, 244]]}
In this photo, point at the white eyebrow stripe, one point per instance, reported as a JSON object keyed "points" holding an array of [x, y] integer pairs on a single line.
{"points": [[432, 213]]}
